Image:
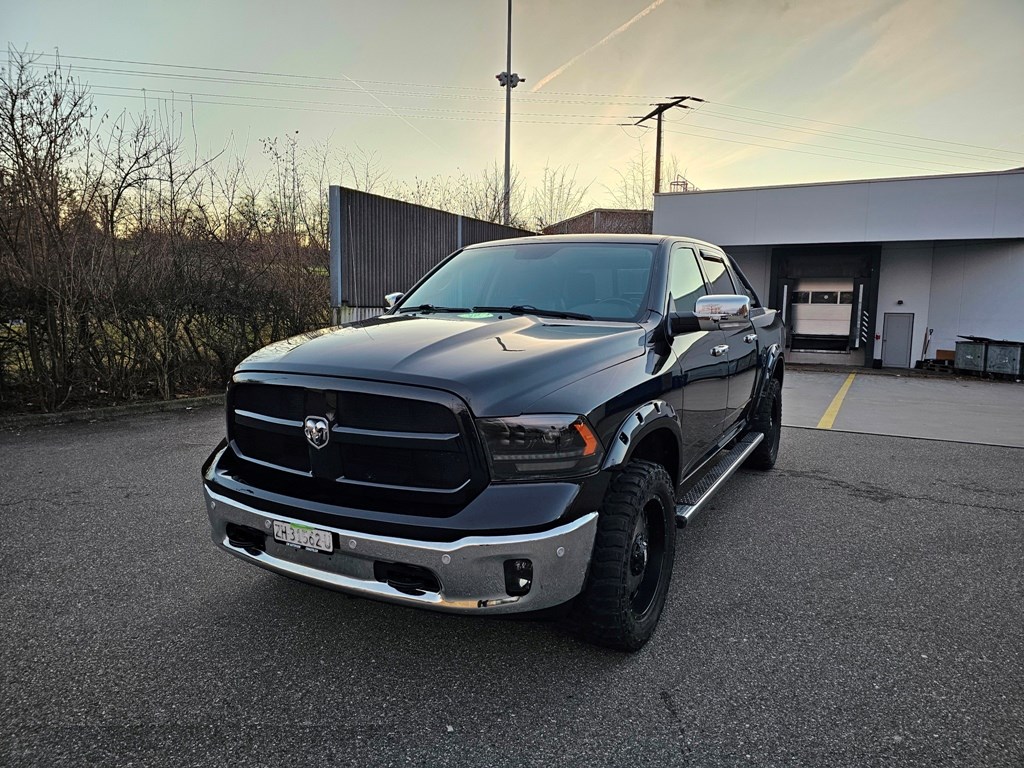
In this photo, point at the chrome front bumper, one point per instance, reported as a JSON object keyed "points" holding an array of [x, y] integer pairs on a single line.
{"points": [[470, 570]]}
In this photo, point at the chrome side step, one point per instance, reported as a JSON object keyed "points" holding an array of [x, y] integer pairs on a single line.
{"points": [[691, 502]]}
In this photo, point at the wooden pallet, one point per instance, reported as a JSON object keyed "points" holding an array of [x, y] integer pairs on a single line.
{"points": [[938, 366]]}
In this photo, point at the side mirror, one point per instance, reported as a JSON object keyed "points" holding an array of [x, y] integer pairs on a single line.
{"points": [[722, 310], [390, 299], [712, 313]]}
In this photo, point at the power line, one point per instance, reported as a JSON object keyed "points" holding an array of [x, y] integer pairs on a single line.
{"points": [[714, 114], [337, 89], [659, 110], [841, 149], [360, 111], [147, 91], [840, 136], [436, 86], [485, 94], [806, 152], [872, 130], [341, 112]]}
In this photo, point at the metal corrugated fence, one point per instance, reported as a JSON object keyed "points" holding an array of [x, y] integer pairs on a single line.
{"points": [[387, 245], [352, 314]]}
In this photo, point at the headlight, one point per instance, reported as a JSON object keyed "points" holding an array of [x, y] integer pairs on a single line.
{"points": [[540, 447]]}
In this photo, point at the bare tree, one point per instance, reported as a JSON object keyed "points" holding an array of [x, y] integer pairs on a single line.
{"points": [[366, 172], [559, 197], [441, 192], [635, 188], [43, 117], [130, 267], [482, 196]]}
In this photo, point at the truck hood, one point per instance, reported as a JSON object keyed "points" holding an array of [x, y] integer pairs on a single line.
{"points": [[498, 364]]}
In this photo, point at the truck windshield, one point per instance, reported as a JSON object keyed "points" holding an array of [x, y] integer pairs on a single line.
{"points": [[603, 281]]}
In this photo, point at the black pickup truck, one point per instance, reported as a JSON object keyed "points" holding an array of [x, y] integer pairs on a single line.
{"points": [[523, 429]]}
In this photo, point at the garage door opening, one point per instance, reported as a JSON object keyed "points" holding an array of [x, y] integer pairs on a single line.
{"points": [[822, 311], [827, 295]]}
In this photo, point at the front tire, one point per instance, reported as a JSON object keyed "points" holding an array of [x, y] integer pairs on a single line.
{"points": [[767, 420], [631, 566]]}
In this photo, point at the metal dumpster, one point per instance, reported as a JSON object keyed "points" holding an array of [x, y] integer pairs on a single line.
{"points": [[1005, 358], [970, 356]]}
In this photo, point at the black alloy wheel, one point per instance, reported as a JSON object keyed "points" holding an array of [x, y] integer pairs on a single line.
{"points": [[767, 420], [645, 558], [631, 565]]}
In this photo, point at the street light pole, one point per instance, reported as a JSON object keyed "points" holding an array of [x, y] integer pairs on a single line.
{"points": [[508, 80], [508, 116]]}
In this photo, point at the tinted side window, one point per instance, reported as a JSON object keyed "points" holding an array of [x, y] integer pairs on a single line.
{"points": [[685, 282], [719, 277], [743, 284]]}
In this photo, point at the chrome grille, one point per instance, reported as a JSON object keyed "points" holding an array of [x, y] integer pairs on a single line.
{"points": [[386, 437]]}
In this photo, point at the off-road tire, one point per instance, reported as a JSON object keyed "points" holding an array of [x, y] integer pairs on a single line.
{"points": [[767, 420], [619, 608]]}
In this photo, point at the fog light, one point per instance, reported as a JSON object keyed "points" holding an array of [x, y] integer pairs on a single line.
{"points": [[518, 577]]}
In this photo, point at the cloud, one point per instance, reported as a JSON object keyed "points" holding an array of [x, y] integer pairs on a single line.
{"points": [[614, 33]]}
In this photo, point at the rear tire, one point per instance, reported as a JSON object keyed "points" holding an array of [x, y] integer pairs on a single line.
{"points": [[631, 566], [767, 420]]}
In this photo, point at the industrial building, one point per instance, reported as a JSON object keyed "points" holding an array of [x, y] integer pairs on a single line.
{"points": [[624, 221], [875, 272]]}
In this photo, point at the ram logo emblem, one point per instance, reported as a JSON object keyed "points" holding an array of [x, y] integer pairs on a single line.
{"points": [[318, 431]]}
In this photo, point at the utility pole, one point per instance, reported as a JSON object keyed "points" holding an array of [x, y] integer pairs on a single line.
{"points": [[508, 80], [658, 111]]}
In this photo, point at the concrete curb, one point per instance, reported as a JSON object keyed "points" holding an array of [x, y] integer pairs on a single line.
{"points": [[109, 413]]}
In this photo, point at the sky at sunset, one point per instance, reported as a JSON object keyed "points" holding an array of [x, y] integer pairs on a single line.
{"points": [[795, 90]]}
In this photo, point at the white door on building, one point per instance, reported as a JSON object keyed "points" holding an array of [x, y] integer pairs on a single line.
{"points": [[897, 336]]}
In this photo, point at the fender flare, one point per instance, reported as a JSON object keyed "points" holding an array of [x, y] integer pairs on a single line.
{"points": [[652, 415], [772, 359]]}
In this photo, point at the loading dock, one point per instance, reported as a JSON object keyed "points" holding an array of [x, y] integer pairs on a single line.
{"points": [[943, 253]]}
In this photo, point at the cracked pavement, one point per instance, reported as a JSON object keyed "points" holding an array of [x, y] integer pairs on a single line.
{"points": [[861, 604]]}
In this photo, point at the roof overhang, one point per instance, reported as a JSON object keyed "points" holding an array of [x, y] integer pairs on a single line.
{"points": [[980, 206]]}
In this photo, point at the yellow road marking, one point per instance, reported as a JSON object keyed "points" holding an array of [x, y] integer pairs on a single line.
{"points": [[829, 417]]}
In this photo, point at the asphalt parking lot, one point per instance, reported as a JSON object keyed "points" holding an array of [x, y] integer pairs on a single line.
{"points": [[966, 410], [861, 604]]}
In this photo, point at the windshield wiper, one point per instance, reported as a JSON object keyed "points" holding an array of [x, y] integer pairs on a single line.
{"points": [[431, 308], [529, 309]]}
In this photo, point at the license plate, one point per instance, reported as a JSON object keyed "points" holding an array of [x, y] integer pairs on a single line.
{"points": [[303, 536]]}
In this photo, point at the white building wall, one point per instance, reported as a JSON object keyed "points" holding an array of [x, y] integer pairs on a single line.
{"points": [[755, 262], [905, 275], [977, 289], [834, 217], [952, 207]]}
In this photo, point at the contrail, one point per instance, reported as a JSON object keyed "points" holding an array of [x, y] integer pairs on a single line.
{"points": [[552, 75], [373, 96]]}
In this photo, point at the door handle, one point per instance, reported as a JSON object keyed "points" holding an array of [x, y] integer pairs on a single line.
{"points": [[720, 350], [750, 338]]}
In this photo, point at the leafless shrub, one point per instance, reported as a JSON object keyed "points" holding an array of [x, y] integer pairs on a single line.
{"points": [[130, 267]]}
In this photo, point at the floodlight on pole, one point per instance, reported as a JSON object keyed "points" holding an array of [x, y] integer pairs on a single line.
{"points": [[508, 80]]}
